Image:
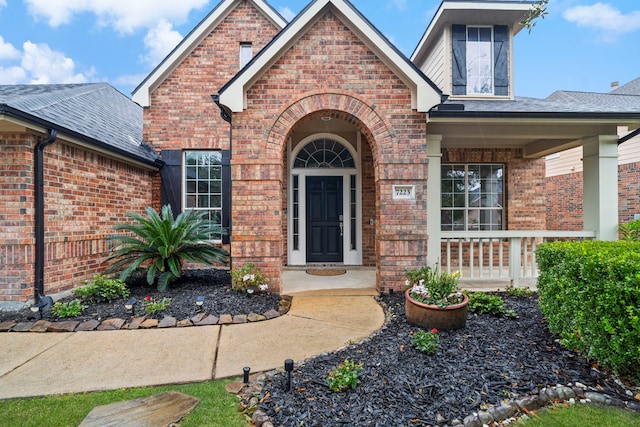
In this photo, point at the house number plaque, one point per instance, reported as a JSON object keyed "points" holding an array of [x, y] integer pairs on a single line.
{"points": [[404, 192]]}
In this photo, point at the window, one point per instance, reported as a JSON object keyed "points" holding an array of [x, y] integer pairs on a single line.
{"points": [[479, 61], [246, 53], [472, 197], [203, 184], [324, 154]]}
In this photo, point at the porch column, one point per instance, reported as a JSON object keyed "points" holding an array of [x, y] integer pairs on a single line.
{"points": [[600, 185], [434, 188]]}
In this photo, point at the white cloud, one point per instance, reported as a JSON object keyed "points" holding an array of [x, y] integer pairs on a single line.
{"points": [[7, 51], [129, 79], [399, 4], [159, 41], [41, 65], [603, 17], [123, 16], [287, 13], [3, 3]]}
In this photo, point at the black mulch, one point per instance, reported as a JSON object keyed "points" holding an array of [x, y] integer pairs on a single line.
{"points": [[214, 285], [490, 360]]}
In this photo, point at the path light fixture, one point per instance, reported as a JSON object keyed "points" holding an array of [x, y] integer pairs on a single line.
{"points": [[37, 308], [130, 306], [288, 367], [199, 302], [251, 290], [245, 372]]}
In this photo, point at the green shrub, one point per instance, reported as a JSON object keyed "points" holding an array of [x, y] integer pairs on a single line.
{"points": [[426, 341], [101, 289], [68, 309], [248, 277], [590, 294], [163, 243], [518, 292], [481, 302], [345, 376]]}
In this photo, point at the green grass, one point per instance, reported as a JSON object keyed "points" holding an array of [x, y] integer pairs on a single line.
{"points": [[582, 416], [216, 407]]}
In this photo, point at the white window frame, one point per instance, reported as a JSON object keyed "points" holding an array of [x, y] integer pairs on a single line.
{"points": [[469, 50], [246, 53], [188, 198]]}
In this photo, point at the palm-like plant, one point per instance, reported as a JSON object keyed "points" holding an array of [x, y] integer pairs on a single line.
{"points": [[163, 243]]}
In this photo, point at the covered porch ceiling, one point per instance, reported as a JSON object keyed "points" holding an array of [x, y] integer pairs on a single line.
{"points": [[537, 137]]}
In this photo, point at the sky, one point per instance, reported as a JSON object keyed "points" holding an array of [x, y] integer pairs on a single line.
{"points": [[581, 45]]}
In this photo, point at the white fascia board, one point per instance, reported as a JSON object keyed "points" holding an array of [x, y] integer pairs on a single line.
{"points": [[142, 94], [449, 9], [424, 95]]}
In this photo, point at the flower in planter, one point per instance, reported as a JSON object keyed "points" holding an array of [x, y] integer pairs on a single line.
{"points": [[248, 278], [430, 285]]}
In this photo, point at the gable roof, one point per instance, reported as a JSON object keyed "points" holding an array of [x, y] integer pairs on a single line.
{"points": [[631, 88], [425, 94], [95, 114], [487, 12], [142, 94]]}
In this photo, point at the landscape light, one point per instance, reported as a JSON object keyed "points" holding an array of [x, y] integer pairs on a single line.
{"points": [[130, 306], [288, 367], [245, 372]]}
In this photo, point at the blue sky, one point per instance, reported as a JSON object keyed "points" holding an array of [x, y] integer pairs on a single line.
{"points": [[582, 45]]}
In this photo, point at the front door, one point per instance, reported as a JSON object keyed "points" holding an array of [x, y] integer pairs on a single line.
{"points": [[324, 219]]}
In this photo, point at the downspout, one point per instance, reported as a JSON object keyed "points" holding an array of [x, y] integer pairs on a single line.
{"points": [[227, 118], [629, 136], [38, 165]]}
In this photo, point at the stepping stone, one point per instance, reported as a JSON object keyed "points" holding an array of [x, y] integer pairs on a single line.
{"points": [[167, 322], [6, 326], [89, 325], [66, 326], [136, 322], [159, 410], [111, 324], [209, 320], [40, 326]]}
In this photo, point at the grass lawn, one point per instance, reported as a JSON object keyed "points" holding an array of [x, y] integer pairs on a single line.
{"points": [[582, 416], [216, 407]]}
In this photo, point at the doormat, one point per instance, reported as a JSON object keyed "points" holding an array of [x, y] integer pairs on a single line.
{"points": [[325, 272]]}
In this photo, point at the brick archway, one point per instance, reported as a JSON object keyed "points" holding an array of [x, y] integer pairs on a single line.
{"points": [[340, 105]]}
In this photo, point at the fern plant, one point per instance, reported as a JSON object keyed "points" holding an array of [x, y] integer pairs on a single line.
{"points": [[162, 243]]}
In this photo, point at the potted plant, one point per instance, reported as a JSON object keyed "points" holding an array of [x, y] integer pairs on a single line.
{"points": [[432, 299]]}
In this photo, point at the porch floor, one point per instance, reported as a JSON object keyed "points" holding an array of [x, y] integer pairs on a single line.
{"points": [[296, 279]]}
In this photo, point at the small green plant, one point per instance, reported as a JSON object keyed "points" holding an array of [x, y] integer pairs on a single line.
{"points": [[426, 341], [430, 285], [630, 231], [153, 306], [101, 289], [481, 302], [345, 376], [248, 278], [68, 309], [518, 292]]}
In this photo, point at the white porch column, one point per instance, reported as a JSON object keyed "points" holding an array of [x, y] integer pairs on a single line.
{"points": [[434, 188], [600, 186]]}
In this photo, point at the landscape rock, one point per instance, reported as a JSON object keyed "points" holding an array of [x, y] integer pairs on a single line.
{"points": [[184, 323], [167, 322], [254, 317], [239, 318], [89, 325], [40, 326], [66, 326], [23, 327], [136, 322], [271, 314], [149, 324], [208, 320], [111, 324], [225, 319], [6, 326]]}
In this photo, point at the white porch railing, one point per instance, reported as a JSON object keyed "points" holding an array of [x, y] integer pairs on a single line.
{"points": [[498, 255]]}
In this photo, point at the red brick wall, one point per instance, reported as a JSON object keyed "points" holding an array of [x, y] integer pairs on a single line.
{"points": [[86, 194], [526, 195], [182, 114], [329, 70], [565, 196]]}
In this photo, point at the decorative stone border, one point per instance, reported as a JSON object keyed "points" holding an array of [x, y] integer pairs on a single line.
{"points": [[142, 322]]}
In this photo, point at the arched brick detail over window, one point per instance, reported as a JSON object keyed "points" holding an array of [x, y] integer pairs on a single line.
{"points": [[340, 105]]}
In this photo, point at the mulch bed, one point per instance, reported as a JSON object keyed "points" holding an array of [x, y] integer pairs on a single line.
{"points": [[214, 285], [490, 360]]}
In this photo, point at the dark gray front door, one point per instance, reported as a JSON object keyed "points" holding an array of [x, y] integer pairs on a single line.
{"points": [[324, 219]]}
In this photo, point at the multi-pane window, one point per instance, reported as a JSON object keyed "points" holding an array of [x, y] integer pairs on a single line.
{"points": [[203, 184], [246, 53], [472, 197], [479, 60]]}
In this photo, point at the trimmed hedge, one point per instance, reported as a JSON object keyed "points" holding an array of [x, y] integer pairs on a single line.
{"points": [[590, 294]]}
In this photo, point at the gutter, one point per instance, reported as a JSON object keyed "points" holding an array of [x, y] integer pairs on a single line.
{"points": [[629, 136], [38, 167]]}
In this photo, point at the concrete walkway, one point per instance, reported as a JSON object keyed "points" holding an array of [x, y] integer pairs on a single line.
{"points": [[34, 364]]}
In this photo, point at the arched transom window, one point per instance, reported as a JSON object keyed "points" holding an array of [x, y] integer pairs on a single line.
{"points": [[324, 154]]}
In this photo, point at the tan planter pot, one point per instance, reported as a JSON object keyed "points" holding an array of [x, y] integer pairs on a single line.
{"points": [[431, 316]]}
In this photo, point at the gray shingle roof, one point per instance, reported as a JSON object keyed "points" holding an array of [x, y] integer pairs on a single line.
{"points": [[631, 88], [95, 112]]}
